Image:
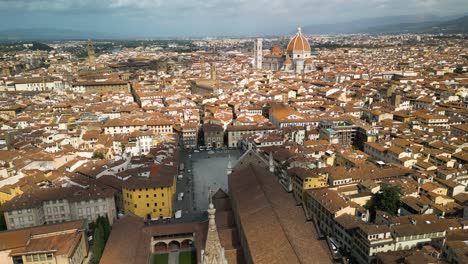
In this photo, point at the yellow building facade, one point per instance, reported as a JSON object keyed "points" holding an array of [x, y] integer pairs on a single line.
{"points": [[8, 112], [318, 181], [303, 179], [7, 193], [150, 200]]}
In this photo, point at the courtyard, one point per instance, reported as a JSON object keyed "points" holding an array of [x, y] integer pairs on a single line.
{"points": [[185, 257]]}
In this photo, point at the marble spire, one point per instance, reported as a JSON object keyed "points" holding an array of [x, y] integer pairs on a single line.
{"points": [[213, 252]]}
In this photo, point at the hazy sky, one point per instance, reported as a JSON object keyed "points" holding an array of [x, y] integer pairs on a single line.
{"points": [[146, 18]]}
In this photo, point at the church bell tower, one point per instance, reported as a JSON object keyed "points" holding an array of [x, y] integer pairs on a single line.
{"points": [[91, 54], [258, 53]]}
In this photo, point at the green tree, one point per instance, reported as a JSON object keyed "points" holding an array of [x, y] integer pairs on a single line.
{"points": [[458, 69], [388, 200], [99, 243], [40, 46], [106, 227], [97, 222], [98, 155], [365, 117]]}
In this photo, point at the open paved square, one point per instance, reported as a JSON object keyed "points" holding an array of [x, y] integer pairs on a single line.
{"points": [[204, 170]]}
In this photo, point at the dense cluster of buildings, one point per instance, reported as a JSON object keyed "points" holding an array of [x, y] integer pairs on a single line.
{"points": [[322, 131]]}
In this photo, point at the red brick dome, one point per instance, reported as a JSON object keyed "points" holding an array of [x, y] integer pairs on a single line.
{"points": [[276, 49], [298, 43]]}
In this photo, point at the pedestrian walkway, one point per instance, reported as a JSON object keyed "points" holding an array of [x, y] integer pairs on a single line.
{"points": [[88, 259], [173, 258]]}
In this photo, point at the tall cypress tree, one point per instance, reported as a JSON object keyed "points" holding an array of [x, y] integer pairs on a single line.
{"points": [[98, 221], [106, 227], [99, 242]]}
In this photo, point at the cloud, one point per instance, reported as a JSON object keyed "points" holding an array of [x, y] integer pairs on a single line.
{"points": [[260, 7], [217, 16], [70, 5]]}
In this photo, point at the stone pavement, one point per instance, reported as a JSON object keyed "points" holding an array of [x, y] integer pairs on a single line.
{"points": [[173, 258], [202, 172]]}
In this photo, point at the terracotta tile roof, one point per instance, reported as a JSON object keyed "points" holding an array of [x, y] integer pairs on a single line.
{"points": [[425, 227], [160, 176], [130, 239], [331, 200], [15, 239], [126, 242], [298, 43], [35, 197], [61, 244], [274, 228]]}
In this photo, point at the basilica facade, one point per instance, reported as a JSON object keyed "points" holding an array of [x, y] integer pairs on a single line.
{"points": [[296, 58]]}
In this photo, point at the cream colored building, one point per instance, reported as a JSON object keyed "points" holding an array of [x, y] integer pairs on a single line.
{"points": [[57, 205], [64, 243]]}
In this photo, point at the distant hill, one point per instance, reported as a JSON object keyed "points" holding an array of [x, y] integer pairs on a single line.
{"points": [[379, 25], [49, 34], [400, 28], [459, 25], [19, 46], [362, 25], [394, 24], [455, 26]]}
